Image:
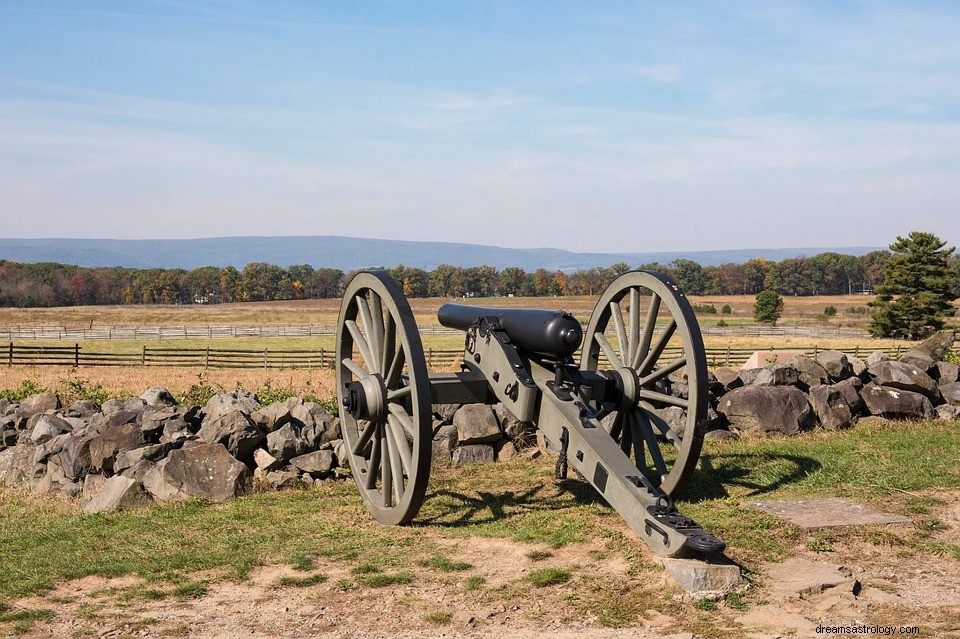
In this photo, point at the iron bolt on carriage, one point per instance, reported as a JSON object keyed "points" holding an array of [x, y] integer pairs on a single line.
{"points": [[603, 413]]}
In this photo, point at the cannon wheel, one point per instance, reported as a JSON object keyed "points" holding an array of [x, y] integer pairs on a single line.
{"points": [[641, 363], [384, 396]]}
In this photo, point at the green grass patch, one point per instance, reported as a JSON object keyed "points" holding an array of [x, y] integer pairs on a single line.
{"points": [[549, 577], [382, 579], [475, 582], [290, 581], [539, 555], [705, 604], [24, 618], [302, 562], [445, 564], [439, 617]]}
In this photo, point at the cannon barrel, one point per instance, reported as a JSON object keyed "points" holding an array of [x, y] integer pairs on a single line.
{"points": [[537, 330]]}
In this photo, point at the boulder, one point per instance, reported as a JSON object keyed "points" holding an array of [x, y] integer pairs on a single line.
{"points": [[523, 433], [43, 452], [876, 357], [341, 453], [729, 377], [105, 447], [158, 397], [919, 359], [102, 422], [473, 454], [758, 410], [155, 422], [675, 417], [947, 373], [779, 374], [265, 461], [831, 407], [317, 464], [282, 479], [850, 388], [285, 443], [476, 424], [858, 366], [951, 393], [894, 403], [445, 412], [748, 375], [809, 372], [444, 443], [36, 404], [240, 400], [270, 418], [937, 345], [74, 458], [948, 412], [720, 435], [205, 470], [235, 430], [905, 377], [116, 406], [504, 450], [319, 427], [80, 408], [47, 427], [91, 484], [7, 407], [836, 364], [116, 493]]}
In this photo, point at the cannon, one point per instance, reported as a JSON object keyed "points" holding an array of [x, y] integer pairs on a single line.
{"points": [[604, 415]]}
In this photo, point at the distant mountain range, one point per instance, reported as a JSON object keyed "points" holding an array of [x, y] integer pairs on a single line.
{"points": [[348, 253]]}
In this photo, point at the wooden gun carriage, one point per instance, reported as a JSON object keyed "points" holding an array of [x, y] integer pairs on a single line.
{"points": [[603, 414]]}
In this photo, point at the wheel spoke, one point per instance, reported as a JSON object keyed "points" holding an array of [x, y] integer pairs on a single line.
{"points": [[400, 439], [362, 346], [389, 342], [625, 437], [617, 314], [365, 436], [373, 467], [655, 454], [396, 368], [668, 433], [664, 371], [355, 368], [654, 396], [617, 427], [399, 393], [376, 310], [370, 331], [404, 418], [386, 474], [637, 437], [651, 323], [395, 463], [657, 350], [608, 350], [634, 335]]}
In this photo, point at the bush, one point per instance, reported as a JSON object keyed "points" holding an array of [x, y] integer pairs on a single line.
{"points": [[725, 309], [708, 309], [768, 307], [857, 310], [830, 311]]}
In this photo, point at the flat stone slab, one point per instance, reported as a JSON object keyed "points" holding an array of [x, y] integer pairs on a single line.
{"points": [[826, 512], [717, 576], [798, 578]]}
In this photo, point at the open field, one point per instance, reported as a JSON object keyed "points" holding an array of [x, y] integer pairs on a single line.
{"points": [[499, 548], [800, 310]]}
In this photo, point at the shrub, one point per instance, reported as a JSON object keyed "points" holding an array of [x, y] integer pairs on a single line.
{"points": [[725, 309], [830, 311], [768, 307]]}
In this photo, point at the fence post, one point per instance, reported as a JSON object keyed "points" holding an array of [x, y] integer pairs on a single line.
{"points": [[898, 352], [430, 358], [856, 351], [76, 355], [323, 358], [143, 356], [206, 358], [264, 358], [728, 355], [816, 350], [10, 360]]}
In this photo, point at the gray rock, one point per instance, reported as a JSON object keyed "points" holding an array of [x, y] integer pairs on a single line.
{"points": [[938, 345], [47, 427], [317, 464], [157, 422], [721, 436], [341, 454], [235, 430], [546, 445], [523, 434], [473, 454], [810, 373], [8, 437], [237, 401], [105, 447], [504, 450], [102, 423], [918, 359], [116, 406], [444, 443], [836, 364], [91, 484], [858, 366], [7, 407], [319, 427], [947, 373], [285, 443], [729, 377], [445, 412], [204, 470], [138, 470], [715, 576], [36, 404], [74, 458], [675, 417], [757, 410], [80, 408], [282, 479], [948, 412], [894, 403], [875, 358], [476, 424], [905, 377], [831, 407], [265, 461], [778, 374], [158, 396], [850, 388], [951, 393], [270, 418], [43, 452], [749, 375]]}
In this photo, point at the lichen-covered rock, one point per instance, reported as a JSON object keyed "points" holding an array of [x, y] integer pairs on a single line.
{"points": [[317, 464], [473, 454], [158, 396], [285, 443], [272, 417], [810, 373], [894, 403], [951, 393], [779, 374], [758, 410], [235, 430], [205, 470], [105, 447], [236, 401], [905, 377], [948, 412], [476, 424]]}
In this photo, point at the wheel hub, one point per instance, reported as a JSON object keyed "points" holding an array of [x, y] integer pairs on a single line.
{"points": [[628, 387], [366, 398]]}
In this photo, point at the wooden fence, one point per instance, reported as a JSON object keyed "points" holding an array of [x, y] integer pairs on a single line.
{"points": [[437, 359]]}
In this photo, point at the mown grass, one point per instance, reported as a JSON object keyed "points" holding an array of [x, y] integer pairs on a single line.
{"points": [[44, 541]]}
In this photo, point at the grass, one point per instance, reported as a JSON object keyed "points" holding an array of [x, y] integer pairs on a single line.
{"points": [[23, 619], [475, 582], [549, 577], [289, 581], [539, 555], [439, 617], [382, 579], [445, 564]]}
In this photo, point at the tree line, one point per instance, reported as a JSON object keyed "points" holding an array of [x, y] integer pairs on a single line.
{"points": [[52, 284]]}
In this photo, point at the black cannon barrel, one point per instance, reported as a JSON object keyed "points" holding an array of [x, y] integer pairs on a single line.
{"points": [[532, 329]]}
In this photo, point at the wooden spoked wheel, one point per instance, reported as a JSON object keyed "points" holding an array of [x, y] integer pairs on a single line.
{"points": [[384, 396], [641, 354]]}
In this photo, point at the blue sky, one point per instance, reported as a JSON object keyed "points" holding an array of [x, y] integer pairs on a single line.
{"points": [[587, 126]]}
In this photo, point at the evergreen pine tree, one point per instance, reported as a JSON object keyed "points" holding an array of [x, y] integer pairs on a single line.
{"points": [[915, 297]]}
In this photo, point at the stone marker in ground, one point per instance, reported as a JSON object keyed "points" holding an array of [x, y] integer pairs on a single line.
{"points": [[826, 512], [799, 578], [703, 576]]}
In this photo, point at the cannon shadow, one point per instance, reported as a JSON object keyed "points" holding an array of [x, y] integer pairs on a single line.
{"points": [[757, 473]]}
